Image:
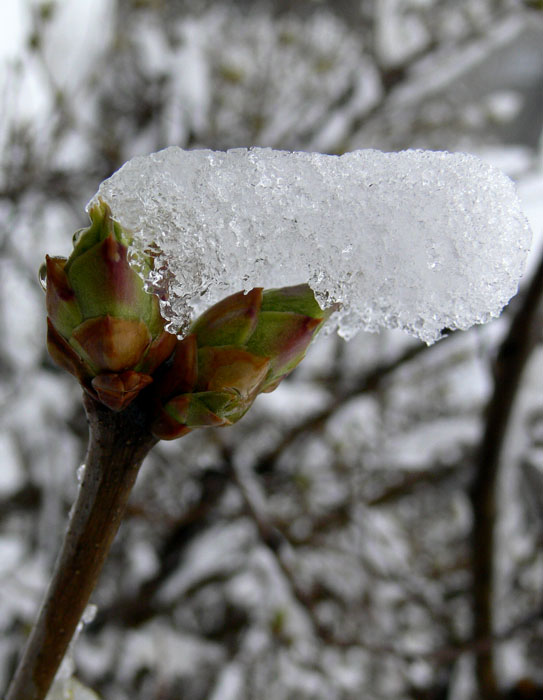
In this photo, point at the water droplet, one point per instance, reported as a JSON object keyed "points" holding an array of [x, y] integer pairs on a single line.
{"points": [[89, 614], [81, 473], [77, 235], [42, 276]]}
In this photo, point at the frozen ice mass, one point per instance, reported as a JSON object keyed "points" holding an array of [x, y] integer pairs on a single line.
{"points": [[418, 240]]}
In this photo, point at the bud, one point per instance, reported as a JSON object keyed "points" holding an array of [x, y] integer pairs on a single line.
{"points": [[242, 346], [102, 326]]}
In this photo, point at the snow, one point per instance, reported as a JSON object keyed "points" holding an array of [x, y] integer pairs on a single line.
{"points": [[441, 71], [11, 553], [398, 38], [75, 36], [14, 17], [11, 474], [417, 240], [70, 689], [230, 683], [170, 652]]}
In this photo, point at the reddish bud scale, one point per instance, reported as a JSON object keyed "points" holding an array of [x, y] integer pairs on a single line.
{"points": [[242, 346], [102, 326]]}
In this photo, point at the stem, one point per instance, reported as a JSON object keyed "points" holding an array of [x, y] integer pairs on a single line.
{"points": [[118, 444]]}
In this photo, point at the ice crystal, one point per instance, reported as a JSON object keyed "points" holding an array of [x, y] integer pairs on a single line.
{"points": [[418, 240]]}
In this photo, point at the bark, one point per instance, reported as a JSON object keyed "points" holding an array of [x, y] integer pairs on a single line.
{"points": [[118, 444], [511, 360]]}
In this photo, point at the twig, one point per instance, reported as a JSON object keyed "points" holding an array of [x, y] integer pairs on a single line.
{"points": [[368, 382], [510, 363], [274, 540], [118, 444], [437, 474]]}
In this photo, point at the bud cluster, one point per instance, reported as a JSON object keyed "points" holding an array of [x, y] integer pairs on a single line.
{"points": [[108, 332]]}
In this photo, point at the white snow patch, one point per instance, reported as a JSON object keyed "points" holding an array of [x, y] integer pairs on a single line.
{"points": [[398, 36], [70, 689], [439, 440], [230, 683], [76, 36], [223, 547], [11, 553], [417, 240], [170, 653], [11, 473]]}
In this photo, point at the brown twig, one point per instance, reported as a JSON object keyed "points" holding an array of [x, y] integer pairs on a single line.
{"points": [[277, 544], [438, 474], [118, 444], [368, 382], [512, 357]]}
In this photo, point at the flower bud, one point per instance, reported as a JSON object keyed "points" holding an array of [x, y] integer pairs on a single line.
{"points": [[102, 326], [242, 346]]}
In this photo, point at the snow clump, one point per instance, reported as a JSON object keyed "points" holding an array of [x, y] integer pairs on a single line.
{"points": [[418, 240]]}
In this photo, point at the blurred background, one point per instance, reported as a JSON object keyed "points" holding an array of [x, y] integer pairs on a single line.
{"points": [[372, 529]]}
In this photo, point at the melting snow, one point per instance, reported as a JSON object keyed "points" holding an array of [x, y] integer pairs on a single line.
{"points": [[418, 240]]}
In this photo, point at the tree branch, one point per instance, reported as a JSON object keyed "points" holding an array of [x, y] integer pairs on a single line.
{"points": [[368, 382], [512, 358]]}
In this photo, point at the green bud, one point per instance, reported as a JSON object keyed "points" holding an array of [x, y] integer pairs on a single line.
{"points": [[242, 346], [102, 326]]}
